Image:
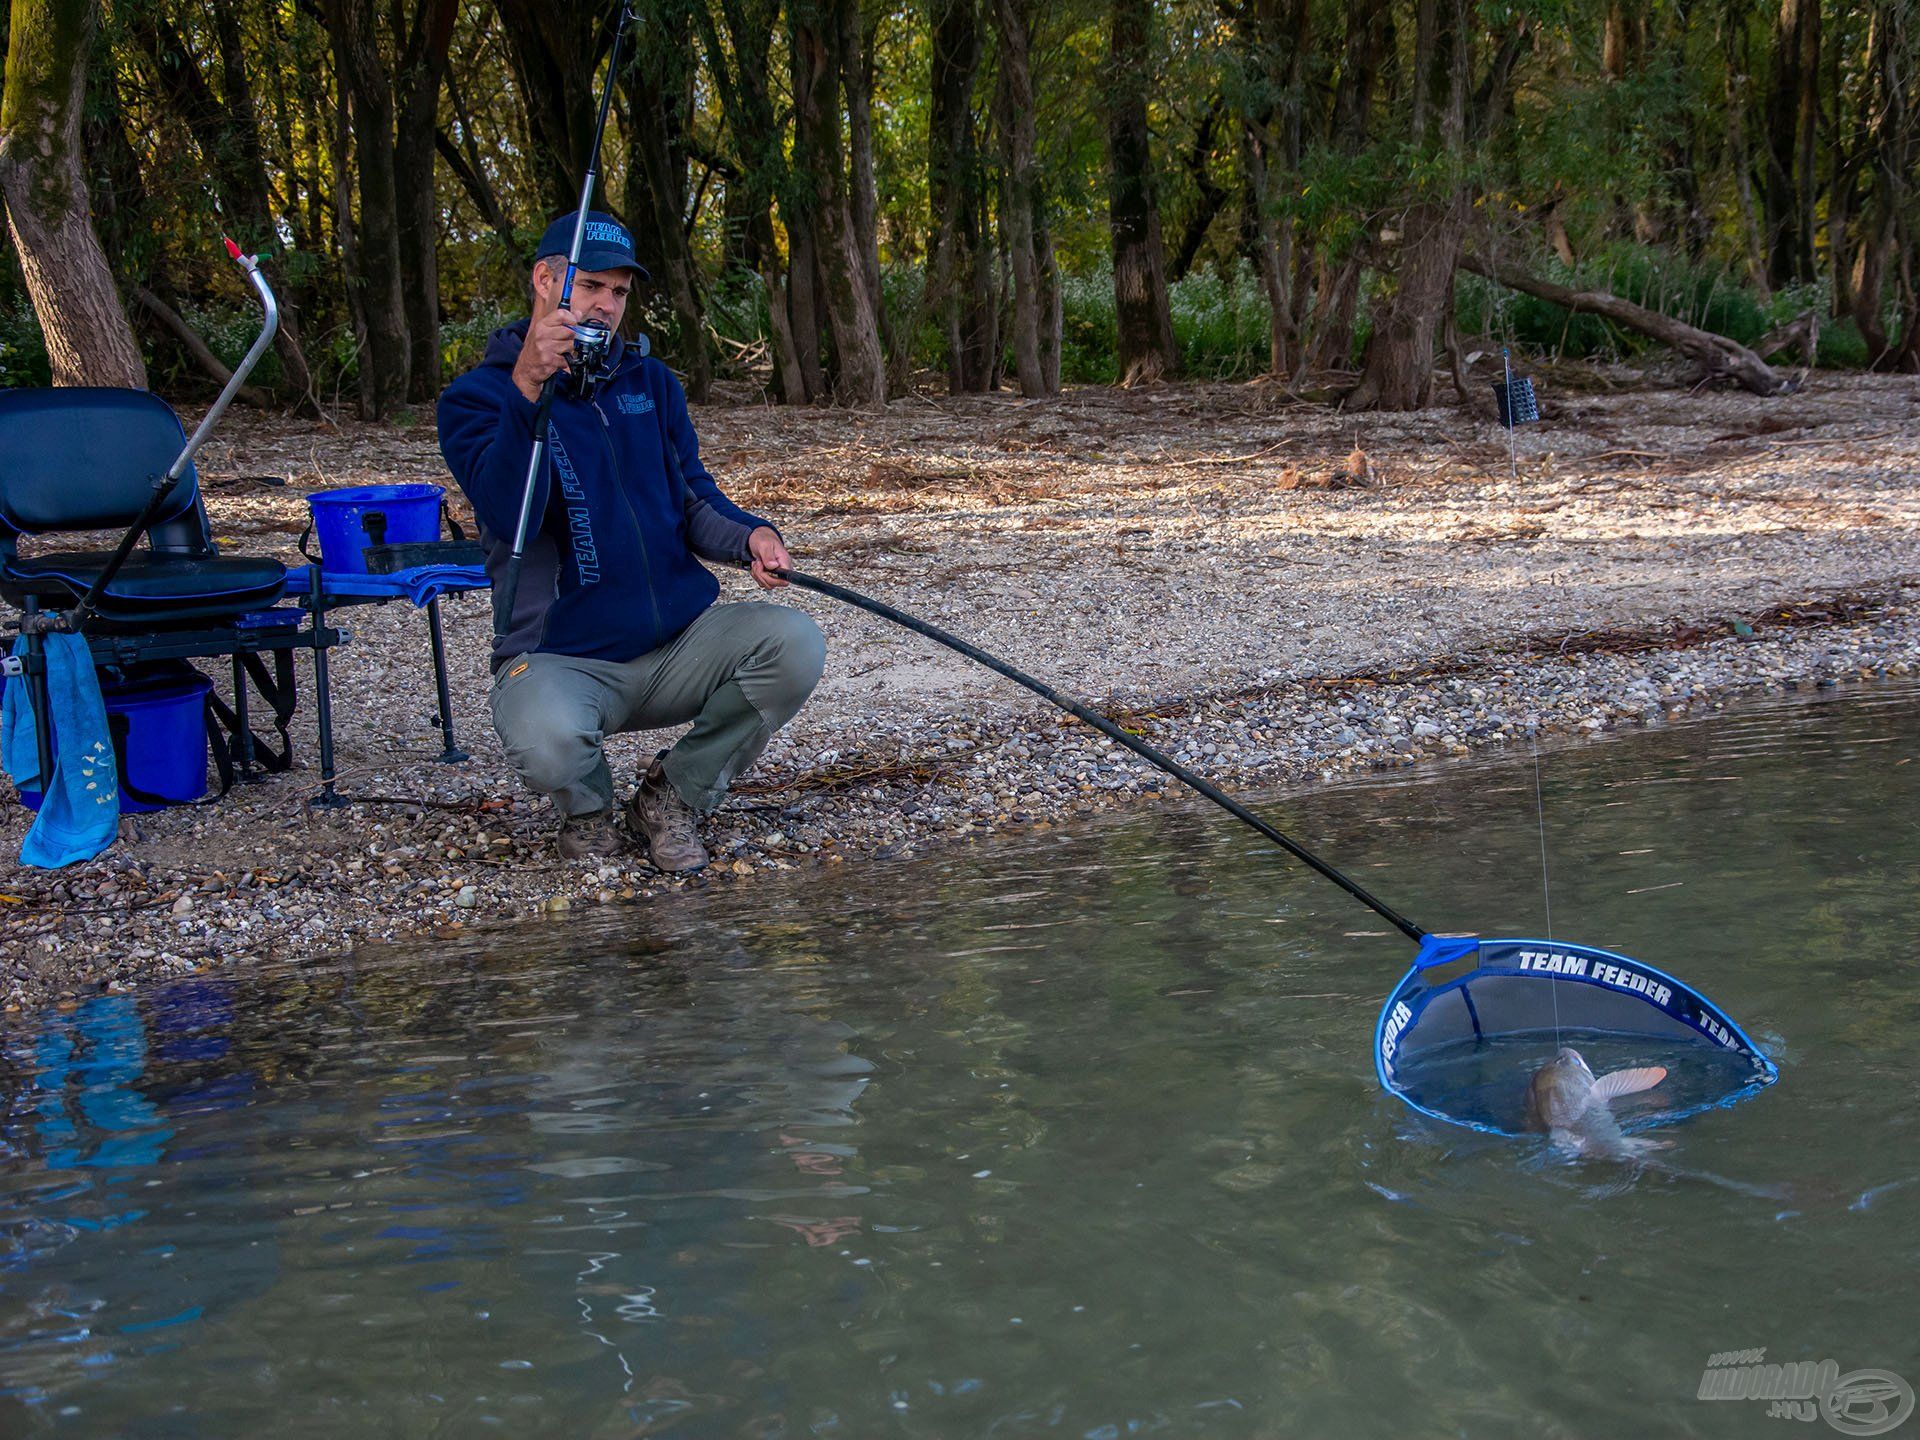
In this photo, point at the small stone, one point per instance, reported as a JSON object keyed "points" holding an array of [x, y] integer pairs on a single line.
{"points": [[468, 897]]}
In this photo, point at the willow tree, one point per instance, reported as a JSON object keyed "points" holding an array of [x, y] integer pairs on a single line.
{"points": [[1036, 278], [1454, 106], [1143, 317], [89, 341]]}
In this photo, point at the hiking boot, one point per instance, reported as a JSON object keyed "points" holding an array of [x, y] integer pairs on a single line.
{"points": [[586, 837], [664, 823]]}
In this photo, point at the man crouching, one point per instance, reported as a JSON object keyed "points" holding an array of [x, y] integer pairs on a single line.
{"points": [[614, 627]]}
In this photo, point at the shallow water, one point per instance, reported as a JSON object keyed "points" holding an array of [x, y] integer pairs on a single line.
{"points": [[1076, 1134]]}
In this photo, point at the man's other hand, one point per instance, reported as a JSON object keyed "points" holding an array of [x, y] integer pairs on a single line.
{"points": [[768, 555], [549, 343]]}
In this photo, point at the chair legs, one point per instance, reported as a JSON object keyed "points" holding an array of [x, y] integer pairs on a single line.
{"points": [[328, 798], [452, 754], [38, 694], [245, 771]]}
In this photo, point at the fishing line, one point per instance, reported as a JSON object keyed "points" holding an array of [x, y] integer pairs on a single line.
{"points": [[1439, 1007], [1546, 889]]}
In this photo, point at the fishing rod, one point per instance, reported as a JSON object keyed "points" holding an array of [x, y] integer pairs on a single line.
{"points": [[510, 579], [1431, 945]]}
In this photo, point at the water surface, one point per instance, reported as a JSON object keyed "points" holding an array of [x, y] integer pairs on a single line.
{"points": [[1075, 1134]]}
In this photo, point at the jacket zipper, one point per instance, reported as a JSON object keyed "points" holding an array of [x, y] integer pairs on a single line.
{"points": [[639, 530]]}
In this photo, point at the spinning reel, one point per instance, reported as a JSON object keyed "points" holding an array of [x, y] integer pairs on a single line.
{"points": [[592, 342]]}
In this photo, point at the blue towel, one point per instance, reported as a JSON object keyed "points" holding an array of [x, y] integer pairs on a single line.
{"points": [[80, 810], [422, 584], [426, 583]]}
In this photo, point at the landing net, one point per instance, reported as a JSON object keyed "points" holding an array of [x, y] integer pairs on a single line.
{"points": [[1462, 1034]]}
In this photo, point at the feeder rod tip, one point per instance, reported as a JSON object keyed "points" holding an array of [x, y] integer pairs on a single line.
{"points": [[249, 263]]}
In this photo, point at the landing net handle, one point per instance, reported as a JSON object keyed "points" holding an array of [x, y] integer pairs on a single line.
{"points": [[1106, 727]]}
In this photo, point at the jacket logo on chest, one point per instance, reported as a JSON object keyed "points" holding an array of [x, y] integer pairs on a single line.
{"points": [[631, 404]]}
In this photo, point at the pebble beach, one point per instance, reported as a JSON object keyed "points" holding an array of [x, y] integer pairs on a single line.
{"points": [[1272, 592]]}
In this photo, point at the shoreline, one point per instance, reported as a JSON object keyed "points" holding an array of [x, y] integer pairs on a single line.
{"points": [[1198, 561], [437, 868]]}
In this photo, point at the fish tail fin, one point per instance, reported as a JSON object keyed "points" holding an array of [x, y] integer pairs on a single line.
{"points": [[1629, 1082]]}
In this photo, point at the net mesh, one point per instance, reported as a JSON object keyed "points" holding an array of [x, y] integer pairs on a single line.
{"points": [[1459, 1041]]}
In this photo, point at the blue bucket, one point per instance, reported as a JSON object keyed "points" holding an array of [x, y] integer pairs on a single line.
{"points": [[166, 737], [347, 521]]}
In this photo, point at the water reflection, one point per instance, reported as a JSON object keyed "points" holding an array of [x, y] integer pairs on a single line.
{"points": [[1072, 1135], [536, 1147]]}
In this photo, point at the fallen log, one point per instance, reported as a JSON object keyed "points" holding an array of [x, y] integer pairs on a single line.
{"points": [[201, 352], [1716, 355], [1803, 331]]}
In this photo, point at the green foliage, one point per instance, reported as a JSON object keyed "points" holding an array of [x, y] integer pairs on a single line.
{"points": [[1222, 323], [1089, 329], [1581, 152], [463, 342], [1841, 347], [23, 351]]}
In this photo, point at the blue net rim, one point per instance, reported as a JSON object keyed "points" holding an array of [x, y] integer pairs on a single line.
{"points": [[1554, 959]]}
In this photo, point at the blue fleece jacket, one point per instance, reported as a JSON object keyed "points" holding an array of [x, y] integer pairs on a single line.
{"points": [[611, 572]]}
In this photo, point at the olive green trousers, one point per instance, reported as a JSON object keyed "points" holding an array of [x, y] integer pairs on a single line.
{"points": [[739, 673]]}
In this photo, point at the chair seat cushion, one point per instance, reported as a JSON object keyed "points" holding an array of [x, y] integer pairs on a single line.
{"points": [[153, 587]]}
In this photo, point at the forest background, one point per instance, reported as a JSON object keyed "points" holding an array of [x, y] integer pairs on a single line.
{"points": [[840, 199]]}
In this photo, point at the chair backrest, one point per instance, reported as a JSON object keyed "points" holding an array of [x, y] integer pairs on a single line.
{"points": [[85, 458]]}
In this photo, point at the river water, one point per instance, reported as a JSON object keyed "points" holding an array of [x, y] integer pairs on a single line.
{"points": [[1071, 1134]]}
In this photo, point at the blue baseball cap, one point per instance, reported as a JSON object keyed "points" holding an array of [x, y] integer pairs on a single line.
{"points": [[605, 245]]}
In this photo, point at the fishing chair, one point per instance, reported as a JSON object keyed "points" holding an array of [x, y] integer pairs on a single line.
{"points": [[87, 459]]}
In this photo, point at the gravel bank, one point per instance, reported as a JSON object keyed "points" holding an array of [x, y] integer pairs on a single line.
{"points": [[1217, 566]]}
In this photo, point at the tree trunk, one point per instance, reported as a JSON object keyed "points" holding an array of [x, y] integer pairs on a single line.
{"points": [[1272, 243], [346, 235], [960, 269], [655, 204], [1793, 121], [954, 60], [1210, 194], [800, 199], [1145, 350], [1717, 356], [385, 358], [657, 92], [423, 69], [1396, 372], [1893, 149], [1036, 342], [738, 61], [863, 197], [1739, 151], [255, 203], [1272, 142], [819, 28], [555, 50], [89, 341]]}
